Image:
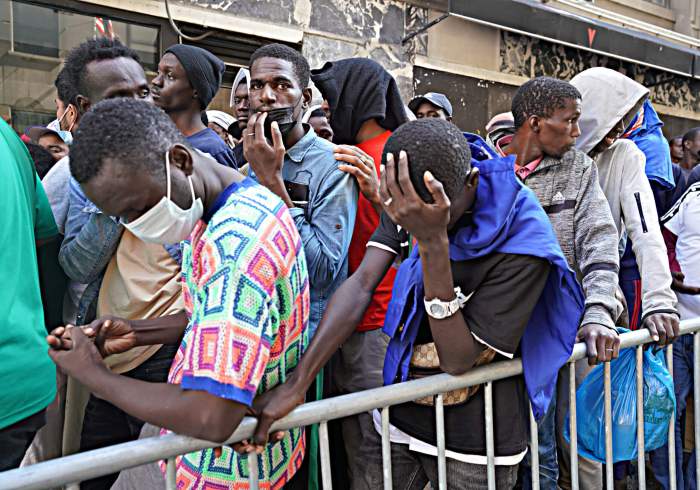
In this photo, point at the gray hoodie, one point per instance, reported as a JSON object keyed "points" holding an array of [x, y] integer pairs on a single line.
{"points": [[608, 97]]}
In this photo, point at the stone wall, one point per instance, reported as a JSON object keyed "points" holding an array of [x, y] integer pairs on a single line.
{"points": [[335, 29], [529, 57]]}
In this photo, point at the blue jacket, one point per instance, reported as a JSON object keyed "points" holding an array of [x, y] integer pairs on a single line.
{"points": [[507, 218], [651, 141]]}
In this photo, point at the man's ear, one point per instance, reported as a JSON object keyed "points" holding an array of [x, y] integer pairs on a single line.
{"points": [[181, 157], [473, 178], [534, 123], [306, 96], [83, 104]]}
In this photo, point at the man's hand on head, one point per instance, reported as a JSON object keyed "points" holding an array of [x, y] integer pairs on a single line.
{"points": [[602, 343], [424, 221], [663, 327]]}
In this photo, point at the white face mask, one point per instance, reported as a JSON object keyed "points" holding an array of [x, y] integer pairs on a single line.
{"points": [[166, 223]]}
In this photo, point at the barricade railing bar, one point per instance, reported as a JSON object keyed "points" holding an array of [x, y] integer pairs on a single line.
{"points": [[95, 463]]}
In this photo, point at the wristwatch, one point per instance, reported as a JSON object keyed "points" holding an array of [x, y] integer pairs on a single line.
{"points": [[439, 309]]}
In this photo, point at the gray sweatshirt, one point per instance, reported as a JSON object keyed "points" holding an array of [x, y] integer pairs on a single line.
{"points": [[608, 97], [569, 192]]}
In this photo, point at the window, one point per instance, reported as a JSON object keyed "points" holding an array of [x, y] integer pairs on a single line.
{"points": [[34, 39]]}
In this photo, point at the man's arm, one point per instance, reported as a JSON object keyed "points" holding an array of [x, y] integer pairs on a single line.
{"points": [[91, 239], [344, 312], [190, 412], [596, 237], [642, 224]]}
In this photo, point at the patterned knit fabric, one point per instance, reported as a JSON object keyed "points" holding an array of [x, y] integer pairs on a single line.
{"points": [[246, 291]]}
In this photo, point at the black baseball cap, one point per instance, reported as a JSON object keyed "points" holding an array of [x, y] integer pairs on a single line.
{"points": [[435, 98]]}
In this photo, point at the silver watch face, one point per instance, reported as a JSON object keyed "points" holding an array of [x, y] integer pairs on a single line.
{"points": [[437, 310]]}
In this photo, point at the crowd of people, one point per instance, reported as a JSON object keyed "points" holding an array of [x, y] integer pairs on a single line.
{"points": [[175, 269]]}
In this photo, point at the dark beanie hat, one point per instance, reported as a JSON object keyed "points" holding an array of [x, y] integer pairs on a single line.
{"points": [[204, 70]]}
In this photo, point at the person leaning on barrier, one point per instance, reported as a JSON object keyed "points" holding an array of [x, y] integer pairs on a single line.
{"points": [[565, 181], [244, 278], [476, 228]]}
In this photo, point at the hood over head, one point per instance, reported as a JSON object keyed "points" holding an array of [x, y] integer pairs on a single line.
{"points": [[607, 96]]}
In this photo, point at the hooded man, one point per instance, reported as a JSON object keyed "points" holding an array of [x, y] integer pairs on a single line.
{"points": [[610, 100], [366, 107], [188, 79]]}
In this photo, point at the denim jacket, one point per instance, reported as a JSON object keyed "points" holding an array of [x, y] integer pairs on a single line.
{"points": [[325, 206], [91, 239]]}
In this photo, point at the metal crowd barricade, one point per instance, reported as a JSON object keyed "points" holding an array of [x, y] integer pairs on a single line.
{"points": [[91, 464]]}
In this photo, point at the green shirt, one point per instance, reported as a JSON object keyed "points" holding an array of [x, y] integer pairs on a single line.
{"points": [[27, 374]]}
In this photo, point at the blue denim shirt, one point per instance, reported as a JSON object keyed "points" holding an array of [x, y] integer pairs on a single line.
{"points": [[91, 239], [325, 206]]}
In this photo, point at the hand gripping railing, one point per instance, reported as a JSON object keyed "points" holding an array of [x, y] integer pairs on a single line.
{"points": [[92, 464]]}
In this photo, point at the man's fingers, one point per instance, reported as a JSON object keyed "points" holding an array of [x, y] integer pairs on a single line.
{"points": [[262, 430], [383, 191], [663, 337], [602, 348], [436, 190], [653, 331], [591, 349], [277, 139], [391, 184], [675, 326], [355, 161], [405, 177], [349, 169], [616, 347], [259, 128]]}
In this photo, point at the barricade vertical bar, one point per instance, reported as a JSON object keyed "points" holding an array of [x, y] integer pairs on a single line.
{"points": [[696, 403], [253, 471], [386, 449], [609, 478], [170, 475], [642, 484], [325, 456], [490, 452], [440, 430], [534, 452], [671, 430], [573, 430]]}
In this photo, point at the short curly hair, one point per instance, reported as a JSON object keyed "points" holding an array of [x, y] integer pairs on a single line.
{"points": [[435, 145], [100, 48], [134, 132], [64, 89], [541, 96], [282, 52]]}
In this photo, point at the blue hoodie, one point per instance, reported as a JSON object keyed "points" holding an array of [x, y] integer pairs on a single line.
{"points": [[506, 218]]}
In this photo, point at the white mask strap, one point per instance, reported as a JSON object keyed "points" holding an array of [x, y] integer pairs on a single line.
{"points": [[167, 177]]}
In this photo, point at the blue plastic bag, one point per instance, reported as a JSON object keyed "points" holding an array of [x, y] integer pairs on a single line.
{"points": [[659, 407]]}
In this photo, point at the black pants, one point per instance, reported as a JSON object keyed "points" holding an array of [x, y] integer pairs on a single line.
{"points": [[106, 425], [16, 438]]}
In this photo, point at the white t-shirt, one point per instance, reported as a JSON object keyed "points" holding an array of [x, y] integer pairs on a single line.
{"points": [[683, 220]]}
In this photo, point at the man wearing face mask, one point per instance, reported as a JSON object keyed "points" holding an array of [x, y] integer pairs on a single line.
{"points": [[56, 182], [288, 158], [254, 289], [121, 275], [188, 79]]}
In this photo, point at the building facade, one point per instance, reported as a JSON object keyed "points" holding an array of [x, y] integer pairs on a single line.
{"points": [[476, 51]]}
